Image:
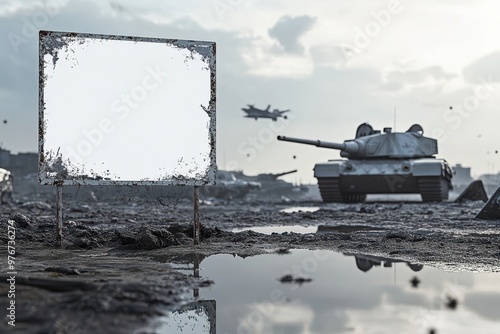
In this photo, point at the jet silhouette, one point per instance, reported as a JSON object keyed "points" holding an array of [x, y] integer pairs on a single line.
{"points": [[252, 112]]}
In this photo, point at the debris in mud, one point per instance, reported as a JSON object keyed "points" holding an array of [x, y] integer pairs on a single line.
{"points": [[474, 192], [153, 239], [149, 237], [36, 205], [491, 209], [22, 220], [288, 278], [282, 251]]}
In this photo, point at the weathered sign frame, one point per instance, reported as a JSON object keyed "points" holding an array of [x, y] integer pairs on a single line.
{"points": [[51, 41]]}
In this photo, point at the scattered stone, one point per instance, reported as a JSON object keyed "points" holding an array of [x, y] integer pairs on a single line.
{"points": [[22, 220], [491, 209], [148, 238], [127, 237], [474, 192]]}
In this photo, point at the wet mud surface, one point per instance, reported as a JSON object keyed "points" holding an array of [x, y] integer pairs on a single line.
{"points": [[113, 272]]}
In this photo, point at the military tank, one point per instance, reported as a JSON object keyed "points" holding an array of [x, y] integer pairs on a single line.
{"points": [[382, 163], [273, 186]]}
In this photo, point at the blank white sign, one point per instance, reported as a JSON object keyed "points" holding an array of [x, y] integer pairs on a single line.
{"points": [[126, 110]]}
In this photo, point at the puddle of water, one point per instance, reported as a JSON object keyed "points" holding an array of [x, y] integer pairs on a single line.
{"points": [[300, 209], [348, 293], [279, 229]]}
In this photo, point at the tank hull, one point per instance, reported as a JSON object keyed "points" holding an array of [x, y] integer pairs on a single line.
{"points": [[350, 180]]}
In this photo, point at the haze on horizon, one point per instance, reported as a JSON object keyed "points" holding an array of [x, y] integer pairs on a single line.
{"points": [[334, 64]]}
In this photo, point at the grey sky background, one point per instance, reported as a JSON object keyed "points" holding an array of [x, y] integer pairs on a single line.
{"points": [[334, 64]]}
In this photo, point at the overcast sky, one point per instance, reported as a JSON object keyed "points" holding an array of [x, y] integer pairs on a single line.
{"points": [[334, 64]]}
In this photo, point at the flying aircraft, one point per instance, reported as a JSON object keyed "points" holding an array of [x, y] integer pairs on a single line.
{"points": [[257, 113]]}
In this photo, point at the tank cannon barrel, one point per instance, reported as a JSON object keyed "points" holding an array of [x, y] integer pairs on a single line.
{"points": [[349, 146], [284, 173]]}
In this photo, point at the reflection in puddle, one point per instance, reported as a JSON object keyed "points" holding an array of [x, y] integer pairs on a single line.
{"points": [[300, 209], [348, 293], [279, 229], [197, 317]]}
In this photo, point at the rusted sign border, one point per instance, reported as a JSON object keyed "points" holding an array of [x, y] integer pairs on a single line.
{"points": [[192, 45]]}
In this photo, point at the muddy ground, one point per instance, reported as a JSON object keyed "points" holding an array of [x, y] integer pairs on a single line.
{"points": [[112, 273]]}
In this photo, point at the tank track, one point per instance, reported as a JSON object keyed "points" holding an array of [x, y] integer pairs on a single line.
{"points": [[433, 188], [330, 192]]}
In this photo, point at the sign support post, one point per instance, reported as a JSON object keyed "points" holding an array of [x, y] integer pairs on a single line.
{"points": [[59, 214]]}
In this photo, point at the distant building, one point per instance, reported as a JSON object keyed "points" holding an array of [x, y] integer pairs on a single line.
{"points": [[461, 175], [20, 164]]}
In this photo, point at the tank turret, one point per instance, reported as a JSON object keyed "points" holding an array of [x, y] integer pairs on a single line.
{"points": [[373, 144], [381, 163]]}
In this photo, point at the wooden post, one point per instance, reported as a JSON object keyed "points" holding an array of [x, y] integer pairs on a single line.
{"points": [[59, 215], [196, 220], [196, 273]]}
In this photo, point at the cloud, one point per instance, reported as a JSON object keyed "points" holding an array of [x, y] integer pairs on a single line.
{"points": [[288, 31], [399, 79], [419, 76], [484, 67], [328, 55]]}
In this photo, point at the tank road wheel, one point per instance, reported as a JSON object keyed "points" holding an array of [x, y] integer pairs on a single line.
{"points": [[353, 197], [433, 188], [330, 190]]}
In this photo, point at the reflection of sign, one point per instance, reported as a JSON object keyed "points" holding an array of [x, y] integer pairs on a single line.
{"points": [[126, 110], [196, 317]]}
